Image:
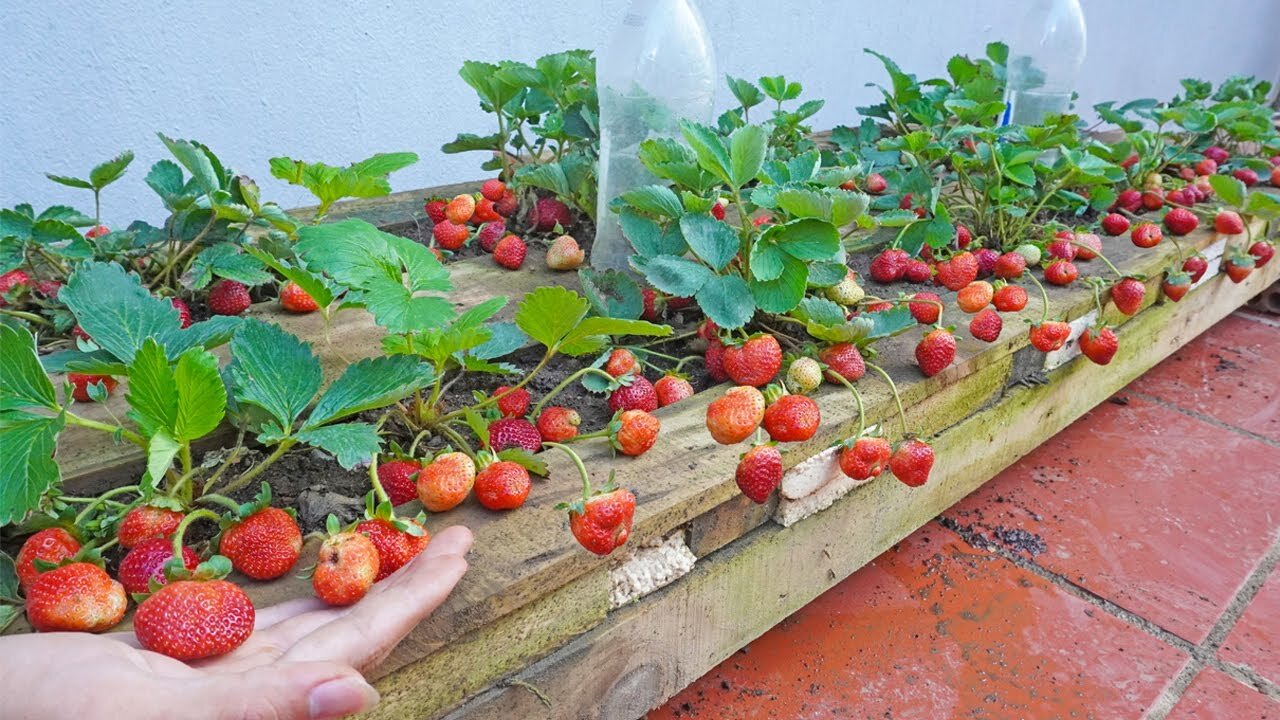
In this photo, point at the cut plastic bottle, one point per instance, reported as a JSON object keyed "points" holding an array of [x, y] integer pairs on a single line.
{"points": [[1045, 56], [658, 68]]}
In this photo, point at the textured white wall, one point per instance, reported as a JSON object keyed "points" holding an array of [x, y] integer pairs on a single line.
{"points": [[337, 81]]}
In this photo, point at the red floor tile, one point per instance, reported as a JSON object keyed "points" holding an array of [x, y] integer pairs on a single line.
{"points": [[1161, 513], [1228, 373], [1255, 639], [937, 629], [1214, 695]]}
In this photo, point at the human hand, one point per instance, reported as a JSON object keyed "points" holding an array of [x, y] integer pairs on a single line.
{"points": [[303, 660]]}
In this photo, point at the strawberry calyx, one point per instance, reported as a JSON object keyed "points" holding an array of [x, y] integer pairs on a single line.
{"points": [[384, 510]]}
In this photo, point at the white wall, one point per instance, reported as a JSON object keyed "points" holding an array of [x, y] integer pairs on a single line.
{"points": [[336, 81]]}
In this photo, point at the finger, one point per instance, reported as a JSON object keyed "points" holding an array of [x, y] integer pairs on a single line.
{"points": [[268, 617], [375, 625], [286, 691]]}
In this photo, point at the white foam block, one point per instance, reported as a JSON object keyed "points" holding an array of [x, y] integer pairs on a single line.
{"points": [[1071, 350], [648, 569]]}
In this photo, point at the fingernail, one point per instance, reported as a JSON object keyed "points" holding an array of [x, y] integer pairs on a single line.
{"points": [[340, 697]]}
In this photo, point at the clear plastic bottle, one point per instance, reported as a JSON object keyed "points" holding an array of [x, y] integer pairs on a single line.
{"points": [[659, 67], [1045, 55]]}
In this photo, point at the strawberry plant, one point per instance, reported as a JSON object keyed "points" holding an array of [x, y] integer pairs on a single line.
{"points": [[788, 133], [329, 184]]}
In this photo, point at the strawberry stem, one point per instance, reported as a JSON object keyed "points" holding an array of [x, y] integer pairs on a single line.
{"points": [[1044, 317], [902, 414], [186, 522], [862, 412], [222, 500], [566, 383], [577, 461], [95, 502], [378, 491], [1101, 257]]}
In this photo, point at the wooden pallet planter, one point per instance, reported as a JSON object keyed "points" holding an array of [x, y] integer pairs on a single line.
{"points": [[536, 608]]}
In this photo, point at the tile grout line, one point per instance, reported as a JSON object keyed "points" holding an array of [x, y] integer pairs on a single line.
{"points": [[1200, 656], [1156, 400]]}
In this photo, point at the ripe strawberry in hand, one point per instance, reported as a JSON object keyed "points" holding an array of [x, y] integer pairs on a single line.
{"points": [[755, 362], [759, 472], [228, 297], [865, 458], [51, 545], [80, 384], [843, 360], [503, 485], [512, 403], [635, 393], [1099, 344], [558, 424], [671, 389], [80, 596], [145, 522], [261, 541], [912, 462], [732, 417], [397, 540], [792, 418], [296, 300], [446, 481], [1050, 335], [347, 567], [399, 478], [146, 562], [936, 351]]}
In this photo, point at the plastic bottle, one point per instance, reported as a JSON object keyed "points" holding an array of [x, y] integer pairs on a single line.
{"points": [[658, 68], [1045, 55]]}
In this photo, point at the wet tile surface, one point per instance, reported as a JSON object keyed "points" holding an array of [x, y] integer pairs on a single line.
{"points": [[1214, 695], [1255, 639], [1156, 511], [938, 629], [1229, 373]]}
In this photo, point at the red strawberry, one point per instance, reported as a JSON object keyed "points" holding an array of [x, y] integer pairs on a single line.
{"points": [[1089, 246], [510, 252], [513, 403], [400, 479], [1176, 284], [1207, 166], [917, 271], [986, 325], [975, 296], [446, 481], [11, 280], [1050, 335], [493, 189], [565, 254], [1129, 200], [489, 235], [1228, 222], [228, 297], [549, 212], [1128, 295], [1216, 154], [1115, 224], [1153, 199], [508, 205], [1099, 345], [396, 547], [1010, 265], [732, 417], [843, 360], [558, 424], [1178, 197], [450, 235], [146, 561], [1146, 235], [97, 231], [460, 209], [936, 351], [924, 311], [264, 545], [717, 210], [889, 266], [435, 209], [80, 384], [1262, 251], [1061, 272], [1130, 161], [875, 184], [714, 359], [1275, 177], [759, 472], [709, 331], [865, 458], [503, 485], [348, 566], [296, 300], [145, 522], [912, 462], [512, 433], [792, 418], [963, 237], [1062, 248], [958, 271], [671, 389], [76, 597], [652, 305], [184, 312], [621, 361], [1238, 265], [1197, 266], [486, 212], [637, 395], [602, 523], [52, 545], [1009, 298], [634, 432], [1247, 176], [878, 307], [987, 259], [51, 288], [1181, 221], [755, 362]]}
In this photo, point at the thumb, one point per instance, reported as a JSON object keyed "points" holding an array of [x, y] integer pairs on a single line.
{"points": [[283, 691]]}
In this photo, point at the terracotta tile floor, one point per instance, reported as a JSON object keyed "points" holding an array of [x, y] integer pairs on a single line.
{"points": [[1125, 569]]}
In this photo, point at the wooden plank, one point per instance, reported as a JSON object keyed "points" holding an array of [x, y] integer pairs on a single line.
{"points": [[647, 652]]}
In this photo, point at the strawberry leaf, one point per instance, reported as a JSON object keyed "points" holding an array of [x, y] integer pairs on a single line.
{"points": [[727, 300], [274, 371], [1228, 189], [714, 242], [547, 315], [8, 582], [612, 293], [312, 284], [27, 468], [197, 162], [747, 148], [351, 444], [368, 385], [525, 459], [110, 171], [23, 382]]}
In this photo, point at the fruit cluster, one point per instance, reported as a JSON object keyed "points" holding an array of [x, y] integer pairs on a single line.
{"points": [[485, 218]]}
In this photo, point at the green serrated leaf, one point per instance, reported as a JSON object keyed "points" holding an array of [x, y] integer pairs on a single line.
{"points": [[368, 385], [23, 382], [712, 241], [547, 315], [27, 468], [195, 161], [673, 275], [111, 170], [747, 147], [727, 300], [783, 293], [654, 199], [117, 312], [1229, 190], [274, 371], [612, 293], [807, 239], [351, 444]]}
